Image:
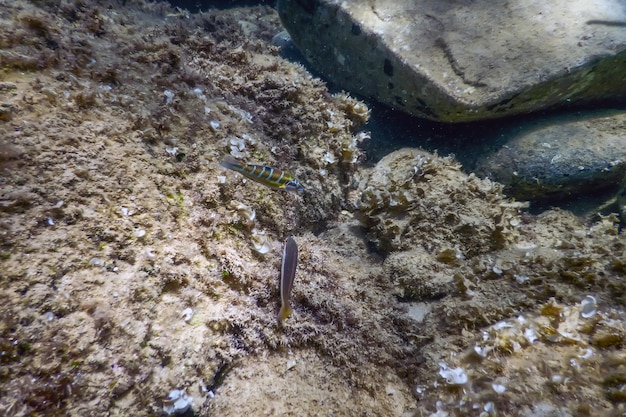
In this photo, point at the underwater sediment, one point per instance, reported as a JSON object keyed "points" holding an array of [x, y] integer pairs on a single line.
{"points": [[137, 272]]}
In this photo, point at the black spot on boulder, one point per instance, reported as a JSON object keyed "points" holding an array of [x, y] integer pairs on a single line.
{"points": [[388, 68]]}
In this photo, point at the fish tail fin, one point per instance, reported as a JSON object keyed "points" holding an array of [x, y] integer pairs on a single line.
{"points": [[285, 311], [231, 163]]}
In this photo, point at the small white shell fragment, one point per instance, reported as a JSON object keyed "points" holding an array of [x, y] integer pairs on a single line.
{"points": [[48, 316], [515, 222], [456, 376], [481, 352], [150, 254], [95, 261], [589, 305], [198, 92], [261, 243], [214, 125], [236, 153], [530, 335], [178, 402], [50, 221], [557, 379], [390, 391], [329, 158], [440, 410], [496, 270], [59, 204], [221, 179], [249, 139], [171, 151], [498, 388], [237, 144], [140, 233], [187, 314], [520, 279], [502, 325], [291, 363], [248, 213], [169, 96], [125, 211], [588, 354]]}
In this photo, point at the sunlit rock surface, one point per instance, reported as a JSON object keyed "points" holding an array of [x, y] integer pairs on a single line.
{"points": [[462, 61]]}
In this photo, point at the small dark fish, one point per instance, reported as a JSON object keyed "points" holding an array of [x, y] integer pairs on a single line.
{"points": [[268, 176], [287, 275]]}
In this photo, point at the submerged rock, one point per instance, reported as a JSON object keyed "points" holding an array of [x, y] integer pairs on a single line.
{"points": [[453, 62], [415, 199], [561, 159]]}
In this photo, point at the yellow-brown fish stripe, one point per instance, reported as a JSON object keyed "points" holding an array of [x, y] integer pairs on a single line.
{"points": [[272, 177], [268, 176]]}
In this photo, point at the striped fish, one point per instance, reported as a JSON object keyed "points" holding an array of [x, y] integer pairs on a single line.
{"points": [[268, 176], [287, 275]]}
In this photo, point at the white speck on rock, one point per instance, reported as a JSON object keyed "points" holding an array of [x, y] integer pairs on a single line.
{"points": [[456, 376], [530, 335], [177, 402], [169, 96], [589, 306], [187, 314], [498, 388]]}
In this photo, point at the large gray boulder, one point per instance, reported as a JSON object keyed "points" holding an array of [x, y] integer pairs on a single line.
{"points": [[561, 158], [466, 60]]}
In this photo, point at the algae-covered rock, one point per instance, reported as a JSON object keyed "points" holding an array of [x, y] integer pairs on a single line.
{"points": [[453, 62], [561, 159], [407, 268], [412, 198], [138, 277], [116, 218]]}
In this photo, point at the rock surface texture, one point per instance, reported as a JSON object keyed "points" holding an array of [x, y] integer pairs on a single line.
{"points": [[557, 160], [456, 61]]}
